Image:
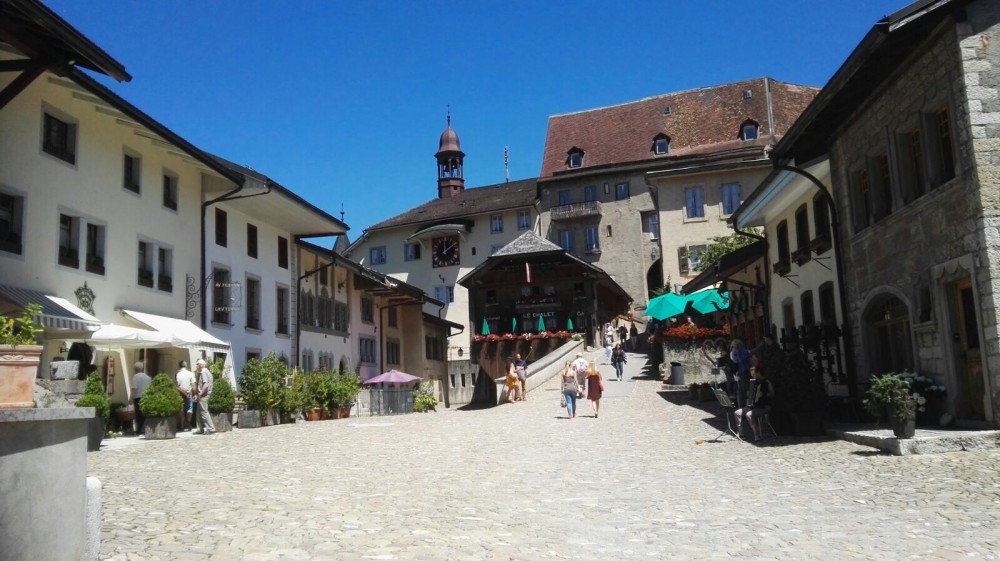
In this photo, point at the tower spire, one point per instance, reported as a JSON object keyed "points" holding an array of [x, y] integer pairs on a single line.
{"points": [[450, 160]]}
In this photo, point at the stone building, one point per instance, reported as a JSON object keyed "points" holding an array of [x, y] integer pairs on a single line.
{"points": [[434, 244], [911, 126], [614, 179]]}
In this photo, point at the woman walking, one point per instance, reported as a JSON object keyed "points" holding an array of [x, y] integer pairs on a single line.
{"points": [[595, 388], [569, 389], [618, 360]]}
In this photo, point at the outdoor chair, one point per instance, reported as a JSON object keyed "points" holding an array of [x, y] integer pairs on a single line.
{"points": [[728, 409], [765, 421]]}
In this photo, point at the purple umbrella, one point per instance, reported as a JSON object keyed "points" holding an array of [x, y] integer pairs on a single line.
{"points": [[393, 377]]}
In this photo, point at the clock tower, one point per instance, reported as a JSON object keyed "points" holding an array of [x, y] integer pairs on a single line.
{"points": [[450, 159]]}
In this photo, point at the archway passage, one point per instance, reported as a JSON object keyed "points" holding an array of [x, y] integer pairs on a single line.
{"points": [[654, 277]]}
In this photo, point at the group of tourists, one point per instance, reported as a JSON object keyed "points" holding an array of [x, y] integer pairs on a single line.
{"points": [[195, 389], [581, 378]]}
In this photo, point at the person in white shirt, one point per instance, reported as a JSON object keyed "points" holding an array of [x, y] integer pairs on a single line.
{"points": [[580, 366], [186, 386]]}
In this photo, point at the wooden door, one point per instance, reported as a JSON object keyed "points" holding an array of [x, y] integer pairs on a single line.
{"points": [[972, 388]]}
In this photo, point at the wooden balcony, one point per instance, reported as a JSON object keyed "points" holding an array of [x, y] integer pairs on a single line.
{"points": [[576, 210]]}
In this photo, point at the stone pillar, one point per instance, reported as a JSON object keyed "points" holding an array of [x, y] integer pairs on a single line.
{"points": [[43, 489]]}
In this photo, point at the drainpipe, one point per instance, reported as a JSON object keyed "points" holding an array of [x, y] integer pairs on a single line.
{"points": [[228, 196], [852, 390]]}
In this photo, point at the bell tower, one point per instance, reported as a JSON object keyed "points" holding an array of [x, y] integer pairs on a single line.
{"points": [[450, 160]]}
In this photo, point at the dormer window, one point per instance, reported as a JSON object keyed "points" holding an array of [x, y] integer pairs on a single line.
{"points": [[661, 144], [748, 131], [575, 158]]}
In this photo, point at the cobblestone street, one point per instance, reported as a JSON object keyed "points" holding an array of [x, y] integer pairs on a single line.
{"points": [[520, 481]]}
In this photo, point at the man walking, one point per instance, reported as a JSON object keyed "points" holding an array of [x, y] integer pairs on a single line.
{"points": [[580, 367], [202, 395], [186, 386], [140, 381]]}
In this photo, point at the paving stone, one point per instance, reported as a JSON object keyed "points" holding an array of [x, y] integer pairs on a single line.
{"points": [[520, 481]]}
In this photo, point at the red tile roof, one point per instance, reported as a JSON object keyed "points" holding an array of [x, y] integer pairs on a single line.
{"points": [[700, 121]]}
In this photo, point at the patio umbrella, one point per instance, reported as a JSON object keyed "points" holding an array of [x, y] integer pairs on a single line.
{"points": [[393, 377], [513, 326], [569, 324], [541, 323], [708, 301], [486, 327], [666, 305]]}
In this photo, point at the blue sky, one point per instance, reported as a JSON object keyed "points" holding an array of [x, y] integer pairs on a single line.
{"points": [[344, 102]]}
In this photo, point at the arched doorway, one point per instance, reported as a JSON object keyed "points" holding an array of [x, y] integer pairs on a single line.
{"points": [[887, 335], [654, 277]]}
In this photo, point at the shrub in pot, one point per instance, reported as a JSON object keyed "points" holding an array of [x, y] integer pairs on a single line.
{"points": [[262, 386], [161, 403], [221, 405], [891, 394], [423, 398], [95, 396], [19, 358], [293, 399], [344, 390]]}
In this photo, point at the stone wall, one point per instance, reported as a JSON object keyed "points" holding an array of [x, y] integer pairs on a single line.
{"points": [[947, 234], [979, 43]]}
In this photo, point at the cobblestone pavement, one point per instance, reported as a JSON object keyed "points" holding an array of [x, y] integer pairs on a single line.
{"points": [[520, 481]]}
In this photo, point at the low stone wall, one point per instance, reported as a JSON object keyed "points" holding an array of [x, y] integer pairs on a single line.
{"points": [[697, 368], [542, 370]]}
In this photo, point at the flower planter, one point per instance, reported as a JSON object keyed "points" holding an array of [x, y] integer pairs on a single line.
{"points": [[161, 428], [904, 428], [223, 422], [314, 414], [95, 433], [18, 370], [249, 419]]}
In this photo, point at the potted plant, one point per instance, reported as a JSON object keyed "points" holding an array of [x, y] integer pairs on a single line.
{"points": [[261, 387], [95, 396], [423, 398], [293, 399], [344, 389], [891, 394], [316, 387], [161, 404], [124, 413], [19, 358], [221, 404]]}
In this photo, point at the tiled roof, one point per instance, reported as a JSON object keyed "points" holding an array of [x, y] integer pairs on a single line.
{"points": [[468, 202], [700, 121]]}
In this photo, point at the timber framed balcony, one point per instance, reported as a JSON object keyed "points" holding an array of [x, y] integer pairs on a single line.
{"points": [[576, 210]]}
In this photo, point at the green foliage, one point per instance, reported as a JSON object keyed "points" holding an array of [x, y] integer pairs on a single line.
{"points": [[21, 330], [263, 382], [293, 399], [223, 398], [161, 398], [317, 386], [95, 396], [891, 393], [344, 390], [722, 245], [216, 367], [423, 397]]}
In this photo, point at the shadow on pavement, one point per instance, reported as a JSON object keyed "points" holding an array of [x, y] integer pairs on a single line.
{"points": [[714, 418]]}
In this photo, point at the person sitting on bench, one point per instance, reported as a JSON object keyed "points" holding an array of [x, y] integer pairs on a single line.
{"points": [[759, 397]]}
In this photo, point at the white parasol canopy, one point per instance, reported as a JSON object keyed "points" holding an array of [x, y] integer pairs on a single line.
{"points": [[112, 335]]}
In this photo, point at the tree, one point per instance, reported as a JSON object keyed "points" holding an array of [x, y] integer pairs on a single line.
{"points": [[723, 245]]}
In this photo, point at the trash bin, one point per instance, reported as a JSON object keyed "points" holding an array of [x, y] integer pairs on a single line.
{"points": [[676, 374]]}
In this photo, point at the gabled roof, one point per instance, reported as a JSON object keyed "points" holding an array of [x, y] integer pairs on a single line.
{"points": [[699, 121], [889, 42], [38, 32], [291, 212], [468, 202], [528, 242], [380, 283]]}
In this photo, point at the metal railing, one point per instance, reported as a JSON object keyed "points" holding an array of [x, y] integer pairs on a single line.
{"points": [[390, 401], [576, 210]]}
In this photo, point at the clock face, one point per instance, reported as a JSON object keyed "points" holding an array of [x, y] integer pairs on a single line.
{"points": [[445, 251]]}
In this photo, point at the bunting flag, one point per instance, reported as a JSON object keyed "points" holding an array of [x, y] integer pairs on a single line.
{"points": [[541, 324], [527, 273]]}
